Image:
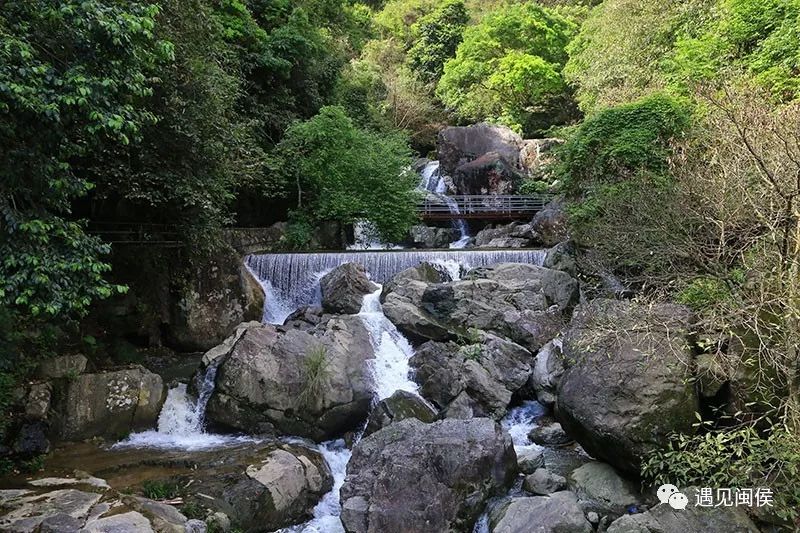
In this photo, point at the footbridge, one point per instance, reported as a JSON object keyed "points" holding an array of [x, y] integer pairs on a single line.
{"points": [[482, 207]]}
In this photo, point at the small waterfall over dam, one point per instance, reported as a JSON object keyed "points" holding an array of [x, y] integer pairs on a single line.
{"points": [[291, 280]]}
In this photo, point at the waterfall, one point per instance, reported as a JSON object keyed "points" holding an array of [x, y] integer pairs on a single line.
{"points": [[432, 181], [291, 280], [181, 423]]}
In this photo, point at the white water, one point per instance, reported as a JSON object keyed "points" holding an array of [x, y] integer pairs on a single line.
{"points": [[291, 281], [391, 369], [520, 421], [181, 423], [433, 182]]}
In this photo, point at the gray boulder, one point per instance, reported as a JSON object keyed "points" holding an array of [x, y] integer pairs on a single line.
{"points": [[525, 303], [664, 519], [626, 387], [397, 407], [402, 298], [490, 173], [530, 459], [547, 372], [542, 482], [460, 145], [478, 379], [62, 366], [551, 223], [344, 288], [600, 489], [107, 404], [556, 513], [313, 383], [513, 235], [412, 476], [65, 506], [422, 236], [562, 257], [549, 435]]}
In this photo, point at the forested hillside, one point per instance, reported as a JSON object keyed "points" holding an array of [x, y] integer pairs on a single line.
{"points": [[680, 163]]}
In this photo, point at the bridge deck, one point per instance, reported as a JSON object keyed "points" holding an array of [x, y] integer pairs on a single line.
{"points": [[484, 207]]}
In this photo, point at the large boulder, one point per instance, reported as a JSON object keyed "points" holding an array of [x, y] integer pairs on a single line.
{"points": [[397, 407], [481, 377], [664, 519], [513, 235], [62, 366], [402, 298], [557, 513], [600, 489], [551, 223], [344, 288], [460, 145], [547, 372], [525, 303], [627, 385], [422, 236], [413, 476], [490, 173], [108, 404], [311, 382]]}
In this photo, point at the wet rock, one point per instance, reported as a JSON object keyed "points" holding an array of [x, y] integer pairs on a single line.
{"points": [[525, 303], [413, 476], [31, 440], [421, 236], [550, 224], [530, 459], [402, 297], [107, 404], [542, 482], [664, 519], [62, 366], [602, 490], [313, 383], [562, 257], [563, 461], [627, 386], [556, 513], [397, 407], [460, 145], [29, 511], [479, 379], [549, 435], [344, 288], [547, 372]]}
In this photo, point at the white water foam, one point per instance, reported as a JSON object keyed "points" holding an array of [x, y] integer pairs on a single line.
{"points": [[433, 181], [392, 350], [520, 421], [181, 423]]}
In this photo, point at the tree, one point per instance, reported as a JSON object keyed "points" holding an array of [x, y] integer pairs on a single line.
{"points": [[439, 34], [338, 172], [509, 66], [71, 78]]}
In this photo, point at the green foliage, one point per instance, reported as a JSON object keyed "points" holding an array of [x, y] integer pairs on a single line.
{"points": [[735, 458], [71, 77], [316, 371], [508, 65], [617, 143], [534, 187], [702, 293], [439, 34], [161, 489], [340, 172], [760, 36]]}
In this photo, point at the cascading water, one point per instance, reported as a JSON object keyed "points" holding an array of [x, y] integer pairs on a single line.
{"points": [[181, 423], [291, 281], [432, 181]]}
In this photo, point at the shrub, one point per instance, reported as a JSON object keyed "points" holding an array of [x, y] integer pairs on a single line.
{"points": [[703, 293]]}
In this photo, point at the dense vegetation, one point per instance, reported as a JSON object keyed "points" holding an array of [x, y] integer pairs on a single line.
{"points": [[681, 174]]}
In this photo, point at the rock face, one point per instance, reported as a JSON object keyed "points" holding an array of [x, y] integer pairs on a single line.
{"points": [[663, 519], [490, 173], [525, 303], [600, 489], [513, 235], [309, 382], [547, 372], [431, 237], [562, 257], [556, 513], [535, 153], [108, 404], [460, 145], [413, 476], [626, 386], [474, 380], [62, 366], [344, 288], [402, 298], [550, 224], [397, 407]]}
